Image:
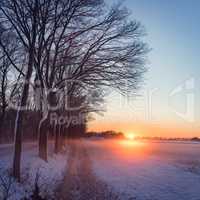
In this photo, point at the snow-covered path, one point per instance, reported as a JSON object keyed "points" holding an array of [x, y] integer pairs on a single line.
{"points": [[80, 183]]}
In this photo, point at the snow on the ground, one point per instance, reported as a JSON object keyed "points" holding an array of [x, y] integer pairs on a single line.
{"points": [[50, 174], [148, 171]]}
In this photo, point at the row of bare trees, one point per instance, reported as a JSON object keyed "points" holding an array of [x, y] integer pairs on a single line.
{"points": [[59, 56]]}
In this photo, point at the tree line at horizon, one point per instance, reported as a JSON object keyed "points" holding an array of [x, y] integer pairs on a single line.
{"points": [[61, 57]]}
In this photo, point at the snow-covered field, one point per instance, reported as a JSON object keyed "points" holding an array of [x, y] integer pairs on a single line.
{"points": [[50, 174], [133, 170], [148, 170]]}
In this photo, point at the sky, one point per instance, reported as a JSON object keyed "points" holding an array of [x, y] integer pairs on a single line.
{"points": [[168, 105]]}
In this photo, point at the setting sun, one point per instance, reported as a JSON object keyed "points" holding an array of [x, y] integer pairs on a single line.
{"points": [[130, 136]]}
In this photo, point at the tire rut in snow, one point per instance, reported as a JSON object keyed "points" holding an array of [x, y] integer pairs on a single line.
{"points": [[80, 183]]}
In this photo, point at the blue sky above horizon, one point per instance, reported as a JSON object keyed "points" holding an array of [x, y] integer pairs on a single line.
{"points": [[173, 34]]}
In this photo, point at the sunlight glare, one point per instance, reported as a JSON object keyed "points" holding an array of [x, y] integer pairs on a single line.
{"points": [[130, 136]]}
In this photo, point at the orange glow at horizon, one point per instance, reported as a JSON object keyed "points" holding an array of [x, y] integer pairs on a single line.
{"points": [[145, 129], [131, 143]]}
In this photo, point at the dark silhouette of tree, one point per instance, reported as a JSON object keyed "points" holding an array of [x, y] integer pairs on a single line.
{"points": [[4, 69], [98, 52], [20, 17], [8, 88], [72, 47]]}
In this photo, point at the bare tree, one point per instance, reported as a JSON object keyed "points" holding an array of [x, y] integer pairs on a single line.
{"points": [[71, 45], [20, 17], [58, 22], [4, 69], [31, 23], [107, 52], [91, 45], [8, 82]]}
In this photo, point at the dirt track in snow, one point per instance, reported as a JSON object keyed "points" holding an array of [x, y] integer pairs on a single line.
{"points": [[79, 182]]}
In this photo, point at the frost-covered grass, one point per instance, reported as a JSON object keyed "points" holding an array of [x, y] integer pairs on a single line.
{"points": [[132, 170], [147, 170], [48, 175]]}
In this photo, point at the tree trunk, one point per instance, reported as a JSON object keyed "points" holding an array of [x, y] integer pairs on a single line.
{"points": [[1, 129], [2, 119], [18, 125], [56, 139], [18, 145], [62, 142], [19, 118], [43, 140]]}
